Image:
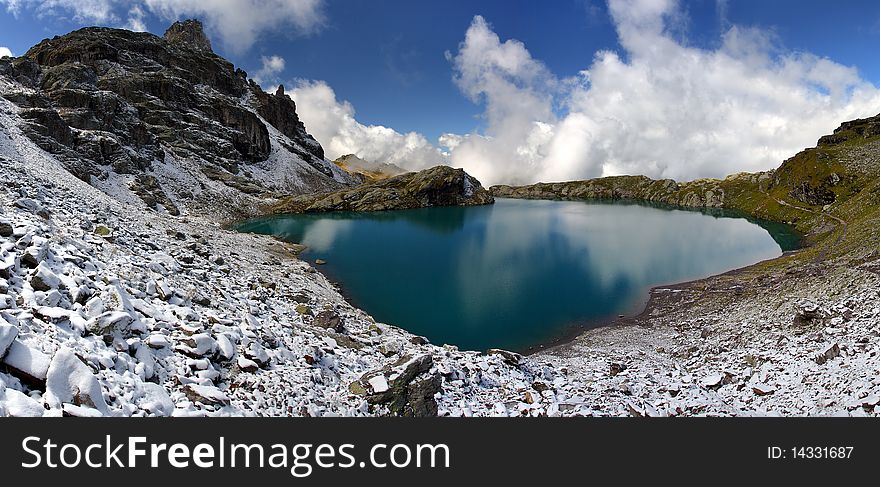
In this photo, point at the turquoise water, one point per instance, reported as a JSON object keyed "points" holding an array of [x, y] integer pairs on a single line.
{"points": [[519, 273]]}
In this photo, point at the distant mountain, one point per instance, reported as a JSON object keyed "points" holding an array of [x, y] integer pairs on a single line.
{"points": [[164, 122], [366, 170]]}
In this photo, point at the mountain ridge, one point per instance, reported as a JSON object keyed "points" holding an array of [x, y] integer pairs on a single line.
{"points": [[164, 122]]}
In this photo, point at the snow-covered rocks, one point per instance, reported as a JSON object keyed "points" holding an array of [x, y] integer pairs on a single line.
{"points": [[206, 395], [28, 364], [70, 382], [8, 333]]}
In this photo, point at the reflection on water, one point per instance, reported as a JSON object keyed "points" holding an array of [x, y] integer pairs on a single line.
{"points": [[519, 272]]}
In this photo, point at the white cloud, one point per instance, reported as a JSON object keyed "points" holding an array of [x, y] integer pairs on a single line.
{"points": [[237, 23], [663, 109], [333, 124], [86, 11], [5, 51], [271, 67], [136, 19]]}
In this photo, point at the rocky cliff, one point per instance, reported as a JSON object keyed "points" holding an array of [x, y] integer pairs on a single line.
{"points": [[438, 186], [163, 121]]}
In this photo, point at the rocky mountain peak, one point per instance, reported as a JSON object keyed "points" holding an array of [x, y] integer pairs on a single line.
{"points": [[189, 32], [164, 121]]}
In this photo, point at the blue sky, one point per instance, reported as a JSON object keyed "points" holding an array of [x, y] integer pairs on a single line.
{"points": [[388, 59]]}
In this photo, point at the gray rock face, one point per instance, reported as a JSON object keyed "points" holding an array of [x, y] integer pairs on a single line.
{"points": [[111, 102], [189, 32]]}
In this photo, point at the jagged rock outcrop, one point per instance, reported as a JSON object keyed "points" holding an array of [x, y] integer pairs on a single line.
{"points": [[164, 121], [189, 32], [437, 186]]}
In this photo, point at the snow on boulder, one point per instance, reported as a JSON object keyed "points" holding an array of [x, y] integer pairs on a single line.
{"points": [[206, 395], [225, 346], [155, 400], [71, 381], [110, 321], [44, 279], [18, 405], [26, 363], [8, 333], [199, 345]]}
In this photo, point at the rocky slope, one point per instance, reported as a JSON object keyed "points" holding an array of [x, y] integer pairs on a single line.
{"points": [[368, 171], [164, 122], [437, 186], [110, 310]]}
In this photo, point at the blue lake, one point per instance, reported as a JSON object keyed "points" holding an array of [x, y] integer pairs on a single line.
{"points": [[519, 273]]}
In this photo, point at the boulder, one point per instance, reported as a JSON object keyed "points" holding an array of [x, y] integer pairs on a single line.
{"points": [[510, 358], [70, 381], [6, 230], [155, 400], [257, 353], [8, 334], [397, 386], [19, 405], [206, 395], [330, 320], [28, 364], [827, 353], [44, 279]]}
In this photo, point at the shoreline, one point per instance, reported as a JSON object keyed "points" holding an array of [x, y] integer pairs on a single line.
{"points": [[570, 333]]}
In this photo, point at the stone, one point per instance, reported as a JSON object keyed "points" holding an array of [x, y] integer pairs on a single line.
{"points": [[207, 395], [28, 364], [616, 368], [110, 322], [20, 405], [806, 312], [510, 358], [200, 345], [827, 353], [6, 229], [391, 386], [304, 309], [763, 389], [247, 365], [329, 319], [8, 334], [70, 381], [44, 279], [256, 352], [320, 261]]}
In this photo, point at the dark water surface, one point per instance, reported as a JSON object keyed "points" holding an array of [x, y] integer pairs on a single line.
{"points": [[520, 273]]}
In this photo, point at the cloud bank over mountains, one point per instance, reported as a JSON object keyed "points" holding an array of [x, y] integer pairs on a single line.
{"points": [[658, 107]]}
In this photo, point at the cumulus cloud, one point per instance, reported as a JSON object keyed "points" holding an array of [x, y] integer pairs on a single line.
{"points": [[661, 108], [238, 23], [333, 124], [89, 11], [136, 21], [271, 67], [5, 51]]}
